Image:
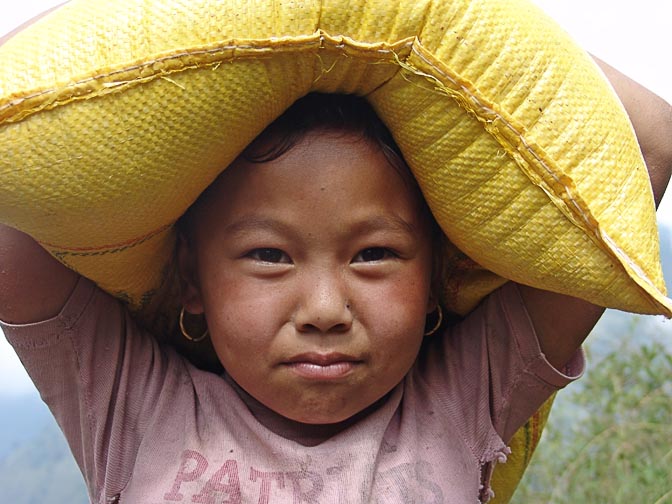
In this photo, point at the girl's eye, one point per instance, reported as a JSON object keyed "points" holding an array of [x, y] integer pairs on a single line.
{"points": [[373, 254], [269, 255]]}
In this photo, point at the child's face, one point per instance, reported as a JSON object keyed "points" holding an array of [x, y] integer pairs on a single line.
{"points": [[314, 273]]}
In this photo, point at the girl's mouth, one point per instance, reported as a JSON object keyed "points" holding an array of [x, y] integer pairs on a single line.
{"points": [[316, 366]]}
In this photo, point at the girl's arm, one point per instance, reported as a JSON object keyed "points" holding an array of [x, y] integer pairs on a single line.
{"points": [[33, 285], [651, 117], [563, 322]]}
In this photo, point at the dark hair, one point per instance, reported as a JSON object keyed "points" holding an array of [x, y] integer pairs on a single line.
{"points": [[326, 112]]}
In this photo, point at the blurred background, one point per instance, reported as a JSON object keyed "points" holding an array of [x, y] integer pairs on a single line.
{"points": [[609, 438]]}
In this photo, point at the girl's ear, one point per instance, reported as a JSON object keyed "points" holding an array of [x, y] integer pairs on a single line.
{"points": [[191, 298]]}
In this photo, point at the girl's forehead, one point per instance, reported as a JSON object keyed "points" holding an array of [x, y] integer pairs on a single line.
{"points": [[343, 159], [324, 168], [347, 145]]}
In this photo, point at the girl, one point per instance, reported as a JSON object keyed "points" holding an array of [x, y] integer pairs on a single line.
{"points": [[310, 261]]}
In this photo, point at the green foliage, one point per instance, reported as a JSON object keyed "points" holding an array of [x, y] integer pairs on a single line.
{"points": [[611, 439]]}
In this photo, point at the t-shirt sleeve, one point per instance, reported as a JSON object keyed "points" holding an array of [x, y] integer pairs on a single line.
{"points": [[100, 376], [521, 376], [490, 366]]}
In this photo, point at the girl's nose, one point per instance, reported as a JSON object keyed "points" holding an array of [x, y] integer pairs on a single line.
{"points": [[324, 306]]}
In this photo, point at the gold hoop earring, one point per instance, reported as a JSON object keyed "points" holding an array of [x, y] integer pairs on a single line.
{"points": [[186, 334], [439, 321]]}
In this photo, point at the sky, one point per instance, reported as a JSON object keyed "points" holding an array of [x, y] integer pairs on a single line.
{"points": [[630, 36]]}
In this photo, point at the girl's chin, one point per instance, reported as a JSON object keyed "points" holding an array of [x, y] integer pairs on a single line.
{"points": [[326, 416], [318, 419]]}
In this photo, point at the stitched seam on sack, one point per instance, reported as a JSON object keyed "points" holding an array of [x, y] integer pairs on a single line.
{"points": [[474, 104], [206, 57], [475, 100], [102, 249]]}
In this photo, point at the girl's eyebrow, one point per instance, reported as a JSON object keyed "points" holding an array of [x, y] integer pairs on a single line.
{"points": [[385, 222], [250, 223]]}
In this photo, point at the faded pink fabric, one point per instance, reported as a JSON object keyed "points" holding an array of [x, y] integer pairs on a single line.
{"points": [[146, 426]]}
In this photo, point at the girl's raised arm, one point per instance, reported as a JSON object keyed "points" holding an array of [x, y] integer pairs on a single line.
{"points": [[563, 322], [651, 117], [33, 285]]}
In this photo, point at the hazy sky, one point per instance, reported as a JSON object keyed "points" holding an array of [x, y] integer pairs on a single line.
{"points": [[632, 36]]}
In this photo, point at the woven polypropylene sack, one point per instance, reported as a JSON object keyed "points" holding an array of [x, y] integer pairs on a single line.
{"points": [[116, 114]]}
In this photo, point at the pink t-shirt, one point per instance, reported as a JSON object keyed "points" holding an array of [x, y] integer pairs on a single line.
{"points": [[146, 426]]}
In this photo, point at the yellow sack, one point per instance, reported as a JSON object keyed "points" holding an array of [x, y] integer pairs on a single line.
{"points": [[116, 114]]}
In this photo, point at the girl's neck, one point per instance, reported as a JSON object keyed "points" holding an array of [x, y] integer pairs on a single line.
{"points": [[302, 433]]}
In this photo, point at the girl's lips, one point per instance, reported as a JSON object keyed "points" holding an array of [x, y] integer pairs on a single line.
{"points": [[322, 366]]}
